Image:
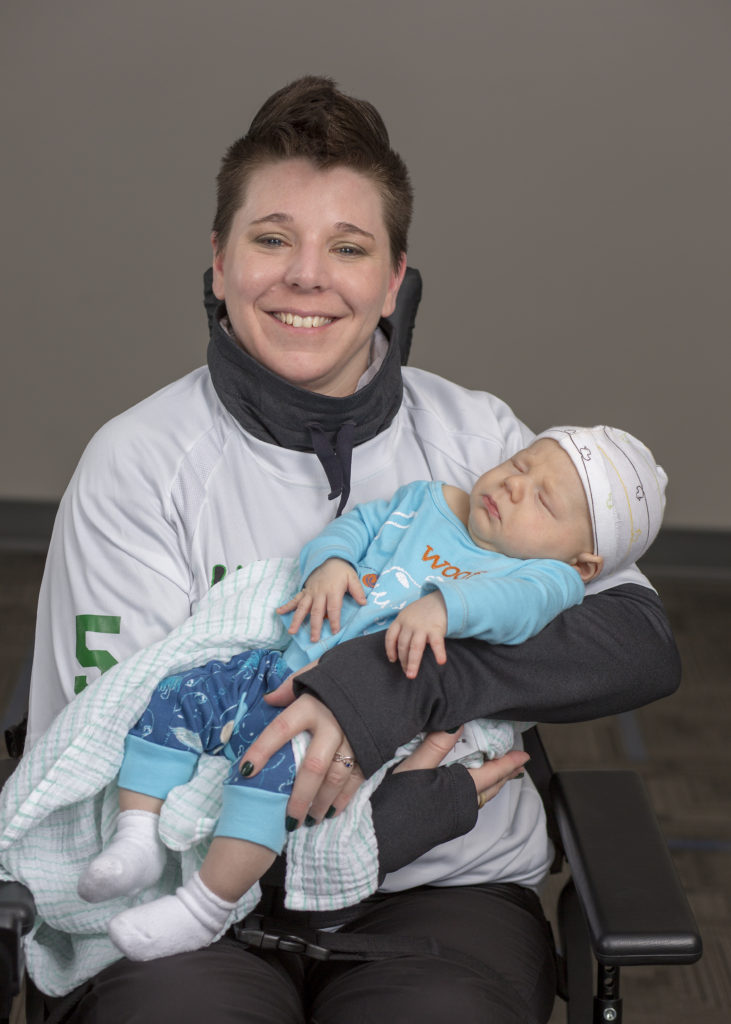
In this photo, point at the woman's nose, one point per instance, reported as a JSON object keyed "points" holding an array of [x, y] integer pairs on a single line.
{"points": [[307, 269]]}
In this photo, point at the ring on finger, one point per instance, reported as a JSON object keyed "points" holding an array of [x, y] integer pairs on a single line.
{"points": [[345, 759], [481, 800]]}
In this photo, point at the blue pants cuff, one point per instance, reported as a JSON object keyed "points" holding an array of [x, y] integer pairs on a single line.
{"points": [[254, 814], [154, 770]]}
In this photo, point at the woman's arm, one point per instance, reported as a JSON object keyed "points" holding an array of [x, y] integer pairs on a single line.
{"points": [[611, 653], [115, 580], [439, 803]]}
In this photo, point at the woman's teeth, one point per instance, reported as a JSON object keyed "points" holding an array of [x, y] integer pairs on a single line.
{"points": [[293, 320]]}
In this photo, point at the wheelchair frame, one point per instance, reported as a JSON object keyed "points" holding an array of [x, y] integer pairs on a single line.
{"points": [[622, 905]]}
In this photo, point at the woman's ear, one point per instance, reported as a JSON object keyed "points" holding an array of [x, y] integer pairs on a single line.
{"points": [[217, 284], [588, 566], [397, 276]]}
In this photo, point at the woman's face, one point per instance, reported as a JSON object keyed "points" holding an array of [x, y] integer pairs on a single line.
{"points": [[306, 273]]}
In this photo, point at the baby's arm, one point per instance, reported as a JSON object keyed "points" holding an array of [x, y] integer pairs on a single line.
{"points": [[501, 610], [344, 542], [322, 596]]}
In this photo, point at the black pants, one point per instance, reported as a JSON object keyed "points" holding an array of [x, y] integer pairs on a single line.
{"points": [[502, 926]]}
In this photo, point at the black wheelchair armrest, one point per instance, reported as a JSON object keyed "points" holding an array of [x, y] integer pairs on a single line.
{"points": [[17, 913], [635, 908]]}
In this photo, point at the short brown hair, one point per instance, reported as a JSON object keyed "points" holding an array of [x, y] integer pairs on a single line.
{"points": [[312, 119]]}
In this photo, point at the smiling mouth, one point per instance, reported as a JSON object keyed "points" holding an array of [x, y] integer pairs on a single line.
{"points": [[294, 320]]}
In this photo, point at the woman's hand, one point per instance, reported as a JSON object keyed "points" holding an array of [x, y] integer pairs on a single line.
{"points": [[324, 784], [489, 778]]}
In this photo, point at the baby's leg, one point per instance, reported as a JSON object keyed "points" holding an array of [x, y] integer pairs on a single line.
{"points": [[183, 718], [249, 834], [198, 911], [134, 859]]}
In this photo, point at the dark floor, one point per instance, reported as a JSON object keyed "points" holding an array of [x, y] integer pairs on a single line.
{"points": [[681, 747]]}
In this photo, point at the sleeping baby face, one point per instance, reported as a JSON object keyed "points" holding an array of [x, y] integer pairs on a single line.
{"points": [[534, 506]]}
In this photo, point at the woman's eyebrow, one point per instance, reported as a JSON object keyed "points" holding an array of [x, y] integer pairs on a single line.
{"points": [[278, 218], [344, 225], [286, 218]]}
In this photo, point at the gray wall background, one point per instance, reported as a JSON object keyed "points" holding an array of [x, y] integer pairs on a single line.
{"points": [[571, 160]]}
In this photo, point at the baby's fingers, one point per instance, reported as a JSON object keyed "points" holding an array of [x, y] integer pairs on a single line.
{"points": [[392, 634], [302, 610], [411, 654], [436, 642], [318, 613], [355, 589], [334, 607]]}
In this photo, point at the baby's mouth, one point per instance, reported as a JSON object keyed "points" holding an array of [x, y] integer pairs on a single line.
{"points": [[295, 320], [492, 509]]}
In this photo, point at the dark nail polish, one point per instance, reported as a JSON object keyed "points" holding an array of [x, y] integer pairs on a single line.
{"points": [[456, 729], [309, 821], [290, 823], [246, 768], [330, 812], [520, 775]]}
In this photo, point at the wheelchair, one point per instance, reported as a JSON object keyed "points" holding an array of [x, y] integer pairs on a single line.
{"points": [[622, 904]]}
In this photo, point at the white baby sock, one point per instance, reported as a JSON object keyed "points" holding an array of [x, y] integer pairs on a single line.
{"points": [[134, 859], [190, 919]]}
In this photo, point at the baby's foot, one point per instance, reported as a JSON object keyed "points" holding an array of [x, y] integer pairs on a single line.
{"points": [[191, 919], [134, 860]]}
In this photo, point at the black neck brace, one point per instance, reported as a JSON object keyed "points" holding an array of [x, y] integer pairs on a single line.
{"points": [[275, 411]]}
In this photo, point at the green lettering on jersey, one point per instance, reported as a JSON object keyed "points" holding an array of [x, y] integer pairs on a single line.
{"points": [[219, 572], [93, 658]]}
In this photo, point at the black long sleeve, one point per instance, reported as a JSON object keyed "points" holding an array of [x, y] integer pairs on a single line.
{"points": [[439, 804], [612, 653]]}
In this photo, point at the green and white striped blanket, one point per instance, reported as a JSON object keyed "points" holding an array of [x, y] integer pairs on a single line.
{"points": [[59, 808]]}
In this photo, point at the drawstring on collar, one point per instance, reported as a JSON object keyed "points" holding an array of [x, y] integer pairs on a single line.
{"points": [[335, 459]]}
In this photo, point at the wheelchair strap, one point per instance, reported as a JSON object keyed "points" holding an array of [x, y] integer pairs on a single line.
{"points": [[322, 945], [261, 934]]}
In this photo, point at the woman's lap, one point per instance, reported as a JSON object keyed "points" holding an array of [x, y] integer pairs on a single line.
{"points": [[496, 925]]}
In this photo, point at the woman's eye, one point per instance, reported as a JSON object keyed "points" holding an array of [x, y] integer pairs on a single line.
{"points": [[348, 250]]}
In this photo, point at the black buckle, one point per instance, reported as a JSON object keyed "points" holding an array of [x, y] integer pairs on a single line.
{"points": [[282, 943]]}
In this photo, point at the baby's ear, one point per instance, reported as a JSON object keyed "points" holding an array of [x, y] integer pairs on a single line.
{"points": [[588, 566]]}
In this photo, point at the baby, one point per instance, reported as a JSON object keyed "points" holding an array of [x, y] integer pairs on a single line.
{"points": [[435, 561]]}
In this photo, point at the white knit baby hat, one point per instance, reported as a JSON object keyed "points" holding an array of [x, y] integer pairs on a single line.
{"points": [[624, 486]]}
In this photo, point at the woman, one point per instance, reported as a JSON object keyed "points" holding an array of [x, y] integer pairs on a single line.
{"points": [[304, 404]]}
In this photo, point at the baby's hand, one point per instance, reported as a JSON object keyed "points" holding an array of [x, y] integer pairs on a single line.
{"points": [[322, 596], [421, 623]]}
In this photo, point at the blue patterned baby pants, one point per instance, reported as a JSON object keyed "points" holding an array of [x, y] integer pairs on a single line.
{"points": [[216, 708]]}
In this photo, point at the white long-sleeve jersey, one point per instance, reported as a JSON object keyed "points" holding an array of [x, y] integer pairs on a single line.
{"points": [[173, 493]]}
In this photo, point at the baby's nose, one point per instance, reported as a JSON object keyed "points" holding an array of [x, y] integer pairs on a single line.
{"points": [[515, 486]]}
